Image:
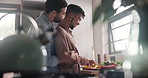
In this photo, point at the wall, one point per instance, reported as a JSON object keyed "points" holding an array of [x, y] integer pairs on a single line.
{"points": [[97, 32], [84, 32]]}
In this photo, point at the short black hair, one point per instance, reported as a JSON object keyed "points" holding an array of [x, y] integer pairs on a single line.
{"points": [[75, 9], [56, 5]]}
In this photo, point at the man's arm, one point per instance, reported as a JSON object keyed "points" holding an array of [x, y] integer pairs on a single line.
{"points": [[62, 49]]}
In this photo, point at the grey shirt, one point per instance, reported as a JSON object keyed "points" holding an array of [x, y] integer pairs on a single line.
{"points": [[45, 24]]}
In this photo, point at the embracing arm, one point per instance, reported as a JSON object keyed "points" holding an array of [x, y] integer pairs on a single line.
{"points": [[62, 49]]}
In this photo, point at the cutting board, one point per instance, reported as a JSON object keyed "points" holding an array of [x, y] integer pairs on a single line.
{"points": [[96, 72]]}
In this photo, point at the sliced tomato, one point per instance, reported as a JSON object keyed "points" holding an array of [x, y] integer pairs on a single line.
{"points": [[100, 66]]}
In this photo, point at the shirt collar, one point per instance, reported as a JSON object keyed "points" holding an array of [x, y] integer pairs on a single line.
{"points": [[65, 28]]}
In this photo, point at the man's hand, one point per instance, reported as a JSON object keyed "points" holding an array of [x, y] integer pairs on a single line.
{"points": [[68, 53], [92, 63], [72, 54], [84, 61]]}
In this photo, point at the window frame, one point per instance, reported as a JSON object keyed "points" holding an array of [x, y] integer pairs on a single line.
{"points": [[4, 8], [6, 5], [110, 34]]}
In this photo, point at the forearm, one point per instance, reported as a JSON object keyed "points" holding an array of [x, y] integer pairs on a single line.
{"points": [[79, 59], [65, 57]]}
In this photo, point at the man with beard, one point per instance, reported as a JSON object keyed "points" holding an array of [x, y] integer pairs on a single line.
{"points": [[54, 12], [65, 48]]}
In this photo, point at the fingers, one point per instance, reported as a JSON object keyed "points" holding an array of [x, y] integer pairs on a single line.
{"points": [[84, 61]]}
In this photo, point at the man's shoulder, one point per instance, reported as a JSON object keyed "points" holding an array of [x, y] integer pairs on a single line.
{"points": [[43, 22], [59, 29], [41, 18]]}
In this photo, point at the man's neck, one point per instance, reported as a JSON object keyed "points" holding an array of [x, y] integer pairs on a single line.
{"points": [[65, 24]]}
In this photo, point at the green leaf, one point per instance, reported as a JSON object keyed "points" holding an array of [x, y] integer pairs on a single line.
{"points": [[105, 8], [108, 13]]}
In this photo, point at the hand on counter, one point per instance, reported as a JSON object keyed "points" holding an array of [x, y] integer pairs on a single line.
{"points": [[84, 61]]}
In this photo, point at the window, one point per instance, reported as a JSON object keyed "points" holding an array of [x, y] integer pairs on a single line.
{"points": [[7, 21], [7, 25], [119, 30]]}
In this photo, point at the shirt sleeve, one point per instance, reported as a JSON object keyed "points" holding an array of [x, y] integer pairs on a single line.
{"points": [[62, 49], [52, 60]]}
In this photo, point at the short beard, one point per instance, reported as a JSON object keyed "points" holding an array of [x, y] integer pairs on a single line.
{"points": [[57, 20], [71, 27]]}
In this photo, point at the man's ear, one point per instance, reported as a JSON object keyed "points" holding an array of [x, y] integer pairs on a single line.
{"points": [[71, 15], [54, 12]]}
